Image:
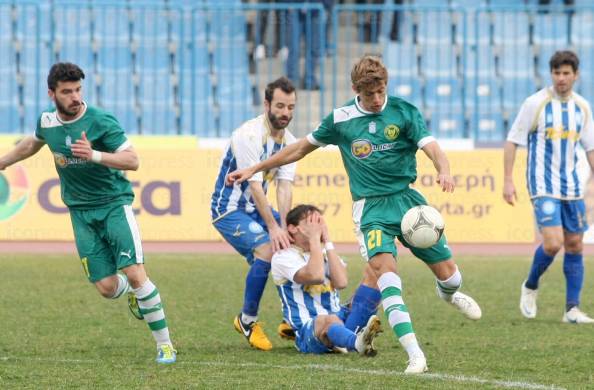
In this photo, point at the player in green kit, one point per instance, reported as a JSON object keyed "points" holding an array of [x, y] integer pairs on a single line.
{"points": [[90, 153], [378, 137]]}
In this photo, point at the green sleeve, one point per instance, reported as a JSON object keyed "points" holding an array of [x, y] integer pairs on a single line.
{"points": [[113, 134], [417, 129], [326, 132]]}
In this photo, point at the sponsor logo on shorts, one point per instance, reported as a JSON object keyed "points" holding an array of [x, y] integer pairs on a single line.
{"points": [[238, 232], [255, 227]]}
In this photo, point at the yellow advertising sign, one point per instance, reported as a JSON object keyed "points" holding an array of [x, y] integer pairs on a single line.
{"points": [[174, 185]]}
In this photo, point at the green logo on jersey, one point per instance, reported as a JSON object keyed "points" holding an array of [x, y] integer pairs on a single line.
{"points": [[391, 132]]}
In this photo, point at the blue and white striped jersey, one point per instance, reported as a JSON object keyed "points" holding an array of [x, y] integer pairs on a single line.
{"points": [[551, 128], [301, 302], [249, 144]]}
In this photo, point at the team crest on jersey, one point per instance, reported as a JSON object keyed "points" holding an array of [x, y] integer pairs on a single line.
{"points": [[391, 132], [372, 127]]}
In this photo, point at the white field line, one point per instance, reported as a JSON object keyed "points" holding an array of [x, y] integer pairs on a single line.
{"points": [[326, 367]]}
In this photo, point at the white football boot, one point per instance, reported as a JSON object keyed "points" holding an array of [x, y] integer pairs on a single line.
{"points": [[528, 301], [576, 316]]}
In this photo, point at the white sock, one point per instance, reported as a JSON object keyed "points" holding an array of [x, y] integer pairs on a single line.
{"points": [[411, 345], [447, 288], [248, 319], [123, 286]]}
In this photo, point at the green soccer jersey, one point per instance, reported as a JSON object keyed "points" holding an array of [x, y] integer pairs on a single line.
{"points": [[378, 149], [85, 184]]}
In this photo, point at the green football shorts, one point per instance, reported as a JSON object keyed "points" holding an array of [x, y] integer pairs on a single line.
{"points": [[107, 240], [377, 221]]}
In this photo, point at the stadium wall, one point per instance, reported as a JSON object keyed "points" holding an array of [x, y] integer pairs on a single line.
{"points": [[175, 182]]}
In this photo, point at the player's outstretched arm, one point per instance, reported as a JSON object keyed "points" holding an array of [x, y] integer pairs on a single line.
{"points": [[126, 160], [441, 164], [27, 147], [509, 157], [291, 153]]}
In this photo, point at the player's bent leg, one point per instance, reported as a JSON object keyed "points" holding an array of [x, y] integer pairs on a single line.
{"points": [[448, 282]]}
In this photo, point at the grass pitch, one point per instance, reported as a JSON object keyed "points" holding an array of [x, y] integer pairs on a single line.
{"points": [[59, 333]]}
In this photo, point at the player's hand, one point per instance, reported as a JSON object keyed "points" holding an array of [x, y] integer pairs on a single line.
{"points": [[446, 182], [325, 233], [238, 176], [312, 228], [82, 148], [509, 192], [279, 238]]}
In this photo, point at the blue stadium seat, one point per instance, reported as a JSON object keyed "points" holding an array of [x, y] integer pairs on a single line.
{"points": [[401, 61], [9, 92], [195, 86], [447, 124], [473, 27], [515, 90], [435, 27], [444, 92], [551, 29], [516, 61], [439, 60], [511, 27], [487, 125], [582, 29]]}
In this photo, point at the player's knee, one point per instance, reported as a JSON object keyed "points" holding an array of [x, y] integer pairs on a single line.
{"points": [[552, 247], [382, 263], [574, 246], [136, 275], [107, 286], [369, 277]]}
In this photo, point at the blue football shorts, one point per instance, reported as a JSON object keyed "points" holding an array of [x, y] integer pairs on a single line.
{"points": [[245, 231], [571, 214]]}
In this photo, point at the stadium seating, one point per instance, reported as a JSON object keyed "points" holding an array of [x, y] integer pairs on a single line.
{"points": [[183, 67]]}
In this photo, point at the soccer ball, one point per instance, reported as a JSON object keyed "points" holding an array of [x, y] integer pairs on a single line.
{"points": [[422, 226]]}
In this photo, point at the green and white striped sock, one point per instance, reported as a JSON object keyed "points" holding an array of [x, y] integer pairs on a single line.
{"points": [[149, 302], [396, 311]]}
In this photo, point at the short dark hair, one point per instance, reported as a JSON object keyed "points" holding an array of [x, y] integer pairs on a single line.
{"points": [[63, 71], [299, 212], [283, 83], [564, 57]]}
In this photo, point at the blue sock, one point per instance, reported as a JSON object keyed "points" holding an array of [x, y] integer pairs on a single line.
{"points": [[364, 305], [340, 336], [539, 265], [255, 282], [573, 268]]}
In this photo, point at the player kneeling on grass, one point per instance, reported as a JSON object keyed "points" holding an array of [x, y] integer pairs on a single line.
{"points": [[90, 152], [307, 276]]}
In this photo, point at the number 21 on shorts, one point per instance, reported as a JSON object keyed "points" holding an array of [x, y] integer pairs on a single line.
{"points": [[374, 239]]}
